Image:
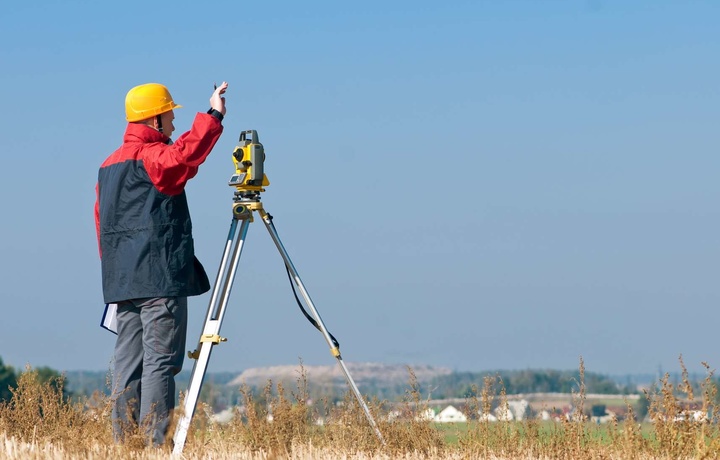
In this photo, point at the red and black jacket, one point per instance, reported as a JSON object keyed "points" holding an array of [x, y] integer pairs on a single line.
{"points": [[142, 217]]}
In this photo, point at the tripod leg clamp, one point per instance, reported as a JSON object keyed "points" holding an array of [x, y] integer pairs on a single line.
{"points": [[212, 338]]}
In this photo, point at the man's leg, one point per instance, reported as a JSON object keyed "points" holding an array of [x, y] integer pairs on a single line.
{"points": [[128, 369], [164, 329]]}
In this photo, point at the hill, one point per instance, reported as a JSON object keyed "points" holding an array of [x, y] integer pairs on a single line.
{"points": [[375, 374]]}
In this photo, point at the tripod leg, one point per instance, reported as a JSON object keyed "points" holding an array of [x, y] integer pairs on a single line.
{"points": [[328, 338], [210, 334]]}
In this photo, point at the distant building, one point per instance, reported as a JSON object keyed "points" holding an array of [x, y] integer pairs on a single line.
{"points": [[503, 412], [428, 415], [507, 411], [487, 418], [520, 409], [450, 415]]}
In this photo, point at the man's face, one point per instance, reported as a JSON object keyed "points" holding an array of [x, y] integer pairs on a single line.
{"points": [[167, 123]]}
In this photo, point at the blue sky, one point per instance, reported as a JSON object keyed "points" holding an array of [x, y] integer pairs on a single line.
{"points": [[472, 184]]}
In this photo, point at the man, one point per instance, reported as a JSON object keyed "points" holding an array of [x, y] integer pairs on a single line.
{"points": [[147, 254]]}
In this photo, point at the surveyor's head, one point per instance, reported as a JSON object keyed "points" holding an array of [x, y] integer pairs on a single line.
{"points": [[151, 104]]}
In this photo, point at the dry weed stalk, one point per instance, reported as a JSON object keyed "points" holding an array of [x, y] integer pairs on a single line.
{"points": [[414, 431], [40, 413]]}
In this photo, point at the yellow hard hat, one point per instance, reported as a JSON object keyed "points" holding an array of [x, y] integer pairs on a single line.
{"points": [[147, 100]]}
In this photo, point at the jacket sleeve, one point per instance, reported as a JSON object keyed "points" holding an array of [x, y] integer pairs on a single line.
{"points": [[171, 166], [97, 216]]}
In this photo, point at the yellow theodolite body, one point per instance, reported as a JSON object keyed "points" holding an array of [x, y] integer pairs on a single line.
{"points": [[249, 160]]}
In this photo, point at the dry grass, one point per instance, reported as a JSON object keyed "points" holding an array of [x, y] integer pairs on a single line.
{"points": [[39, 422]]}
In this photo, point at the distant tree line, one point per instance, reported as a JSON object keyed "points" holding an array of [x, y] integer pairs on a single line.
{"points": [[8, 381], [461, 384], [219, 394], [9, 377]]}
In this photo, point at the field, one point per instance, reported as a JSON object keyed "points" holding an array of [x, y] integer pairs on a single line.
{"points": [[40, 423]]}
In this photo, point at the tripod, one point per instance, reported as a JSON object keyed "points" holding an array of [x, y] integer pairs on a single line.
{"points": [[247, 201]]}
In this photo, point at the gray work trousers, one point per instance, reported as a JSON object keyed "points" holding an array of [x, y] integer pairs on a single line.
{"points": [[149, 353]]}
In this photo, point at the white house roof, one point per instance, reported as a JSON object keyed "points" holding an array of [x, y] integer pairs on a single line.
{"points": [[450, 414]]}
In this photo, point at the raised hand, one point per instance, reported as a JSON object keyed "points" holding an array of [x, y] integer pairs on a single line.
{"points": [[217, 102]]}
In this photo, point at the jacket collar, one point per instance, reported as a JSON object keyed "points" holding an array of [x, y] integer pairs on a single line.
{"points": [[137, 132]]}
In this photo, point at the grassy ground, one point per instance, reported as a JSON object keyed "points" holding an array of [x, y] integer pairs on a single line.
{"points": [[39, 422]]}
